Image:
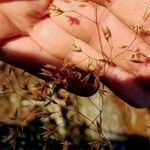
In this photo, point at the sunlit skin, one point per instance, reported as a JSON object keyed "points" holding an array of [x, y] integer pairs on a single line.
{"points": [[30, 37]]}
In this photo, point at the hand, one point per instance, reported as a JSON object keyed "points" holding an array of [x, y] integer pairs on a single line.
{"points": [[74, 33]]}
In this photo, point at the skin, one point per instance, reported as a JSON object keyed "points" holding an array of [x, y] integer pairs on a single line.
{"points": [[29, 34]]}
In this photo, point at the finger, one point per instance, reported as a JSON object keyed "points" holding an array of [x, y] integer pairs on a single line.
{"points": [[24, 53], [133, 90]]}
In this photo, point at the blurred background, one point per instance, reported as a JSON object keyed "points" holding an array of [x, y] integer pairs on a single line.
{"points": [[39, 115]]}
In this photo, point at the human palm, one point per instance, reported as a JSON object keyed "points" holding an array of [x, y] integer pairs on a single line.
{"points": [[79, 31]]}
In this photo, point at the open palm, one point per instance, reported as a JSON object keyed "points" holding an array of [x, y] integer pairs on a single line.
{"points": [[78, 31]]}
